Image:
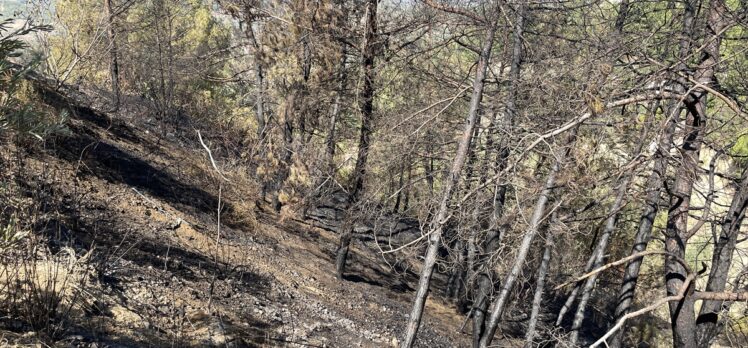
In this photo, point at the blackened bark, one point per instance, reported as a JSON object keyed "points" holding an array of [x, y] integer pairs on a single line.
{"points": [[485, 275], [654, 187], [113, 58], [331, 136], [682, 316], [598, 255], [708, 323], [676, 235], [537, 298], [366, 106], [499, 304], [485, 283], [655, 183]]}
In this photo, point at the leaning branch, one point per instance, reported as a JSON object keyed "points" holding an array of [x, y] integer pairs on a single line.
{"points": [[620, 262]]}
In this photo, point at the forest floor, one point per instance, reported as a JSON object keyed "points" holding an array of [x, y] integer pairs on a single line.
{"points": [[162, 273]]}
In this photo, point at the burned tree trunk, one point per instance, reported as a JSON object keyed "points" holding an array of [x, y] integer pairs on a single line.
{"points": [[366, 106], [677, 233], [113, 55], [708, 323], [484, 281], [655, 184], [537, 298], [499, 305], [598, 256]]}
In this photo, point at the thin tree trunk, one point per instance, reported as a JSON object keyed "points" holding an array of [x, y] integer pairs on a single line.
{"points": [[676, 235], [330, 142], [499, 304], [452, 181], [366, 98], [113, 63], [655, 184], [254, 40], [484, 278], [366, 106], [285, 162], [408, 183], [341, 21], [573, 295], [400, 181], [708, 324], [598, 255], [537, 298]]}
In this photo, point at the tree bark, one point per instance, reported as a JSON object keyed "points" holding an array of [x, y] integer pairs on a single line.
{"points": [[598, 256], [707, 322], [537, 298], [259, 80], [366, 106], [538, 214], [452, 181], [484, 277], [485, 283], [330, 141], [654, 187], [366, 103], [113, 58], [677, 233]]}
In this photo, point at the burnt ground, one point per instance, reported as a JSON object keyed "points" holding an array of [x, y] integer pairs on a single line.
{"points": [[163, 274]]}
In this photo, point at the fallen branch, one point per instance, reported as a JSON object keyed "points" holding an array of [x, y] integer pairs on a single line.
{"points": [[210, 155]]}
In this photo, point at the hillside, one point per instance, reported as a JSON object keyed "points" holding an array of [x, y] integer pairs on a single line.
{"points": [[337, 173], [139, 211]]}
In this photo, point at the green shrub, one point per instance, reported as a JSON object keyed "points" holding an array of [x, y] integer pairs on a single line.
{"points": [[18, 115]]}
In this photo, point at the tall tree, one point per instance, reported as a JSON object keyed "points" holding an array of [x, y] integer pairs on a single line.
{"points": [[366, 107]]}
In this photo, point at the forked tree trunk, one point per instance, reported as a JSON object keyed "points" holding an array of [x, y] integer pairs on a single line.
{"points": [[708, 323], [484, 279], [438, 221], [366, 106]]}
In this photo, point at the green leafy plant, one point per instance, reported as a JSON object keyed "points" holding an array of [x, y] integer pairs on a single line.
{"points": [[16, 114]]}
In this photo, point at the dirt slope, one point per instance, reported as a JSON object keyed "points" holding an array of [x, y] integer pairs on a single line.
{"points": [[163, 274]]}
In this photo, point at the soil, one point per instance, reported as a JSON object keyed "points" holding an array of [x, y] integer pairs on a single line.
{"points": [[162, 272]]}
